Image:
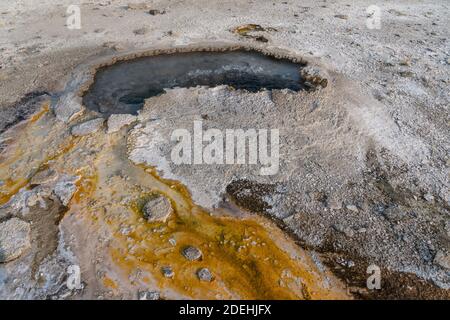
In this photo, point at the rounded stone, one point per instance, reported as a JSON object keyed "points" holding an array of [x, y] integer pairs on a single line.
{"points": [[167, 272], [192, 253], [158, 208], [204, 274], [14, 239]]}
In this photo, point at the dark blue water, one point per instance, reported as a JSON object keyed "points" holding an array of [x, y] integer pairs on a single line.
{"points": [[123, 87]]}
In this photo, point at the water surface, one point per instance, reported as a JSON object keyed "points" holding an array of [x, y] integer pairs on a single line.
{"points": [[123, 86]]}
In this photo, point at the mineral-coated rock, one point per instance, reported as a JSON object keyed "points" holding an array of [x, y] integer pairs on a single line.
{"points": [[117, 121], [14, 239], [192, 253], [88, 127], [65, 188], [158, 208], [68, 107], [167, 271], [204, 275], [44, 177]]}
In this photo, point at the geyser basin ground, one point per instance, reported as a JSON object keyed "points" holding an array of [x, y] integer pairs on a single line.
{"points": [[372, 176], [123, 86], [329, 194]]}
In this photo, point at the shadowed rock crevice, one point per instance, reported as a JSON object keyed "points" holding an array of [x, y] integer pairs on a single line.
{"points": [[22, 109]]}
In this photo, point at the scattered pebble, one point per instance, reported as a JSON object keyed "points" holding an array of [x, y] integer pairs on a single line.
{"points": [[173, 242], [245, 29], [347, 231], [140, 31], [192, 253], [167, 272], [154, 12], [204, 274], [341, 16], [352, 207], [113, 45], [158, 208]]}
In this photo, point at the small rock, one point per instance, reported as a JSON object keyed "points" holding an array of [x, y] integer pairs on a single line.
{"points": [[167, 272], [341, 16], [22, 201], [149, 295], [204, 274], [245, 29], [314, 76], [14, 239], [334, 204], [158, 208], [321, 197], [88, 127], [113, 45], [352, 207], [154, 12], [429, 197], [68, 107], [406, 74], [442, 259], [117, 121], [261, 39], [192, 253], [140, 31], [65, 188], [405, 62], [393, 213], [347, 231]]}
